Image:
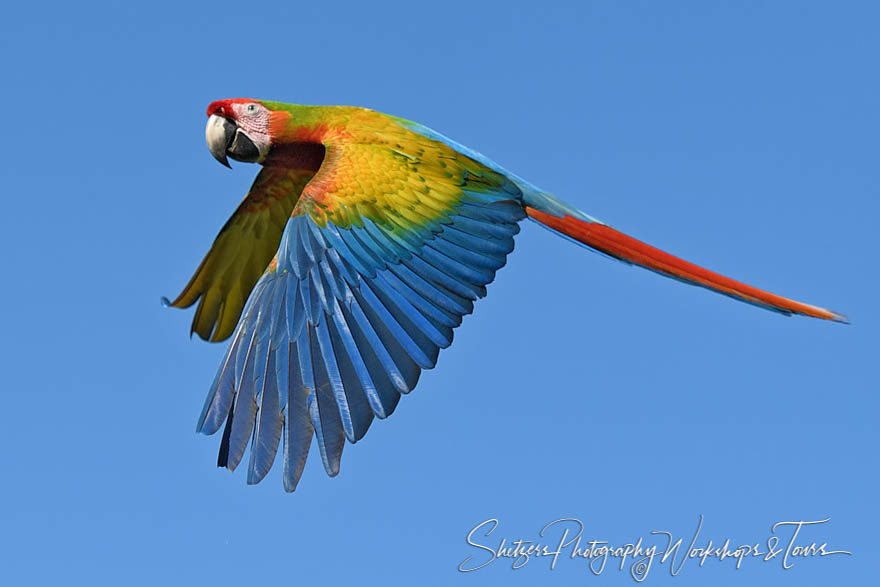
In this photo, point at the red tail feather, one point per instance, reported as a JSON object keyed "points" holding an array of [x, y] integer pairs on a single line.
{"points": [[611, 242]]}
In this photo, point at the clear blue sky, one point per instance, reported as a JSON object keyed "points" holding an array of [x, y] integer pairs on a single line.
{"points": [[743, 136]]}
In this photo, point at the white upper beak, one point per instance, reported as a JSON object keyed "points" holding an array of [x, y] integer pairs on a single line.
{"points": [[219, 134]]}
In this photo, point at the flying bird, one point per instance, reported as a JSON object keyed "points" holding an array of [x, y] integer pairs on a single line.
{"points": [[362, 243]]}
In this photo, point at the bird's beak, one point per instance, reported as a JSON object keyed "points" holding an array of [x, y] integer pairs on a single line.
{"points": [[224, 138]]}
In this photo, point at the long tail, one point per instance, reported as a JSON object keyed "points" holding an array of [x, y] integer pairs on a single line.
{"points": [[574, 224]]}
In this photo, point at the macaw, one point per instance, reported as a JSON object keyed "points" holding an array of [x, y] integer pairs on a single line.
{"points": [[362, 243]]}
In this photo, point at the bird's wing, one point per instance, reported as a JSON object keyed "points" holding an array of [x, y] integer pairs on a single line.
{"points": [[241, 252], [388, 247]]}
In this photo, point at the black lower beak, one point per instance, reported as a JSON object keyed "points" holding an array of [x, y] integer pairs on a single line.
{"points": [[243, 148]]}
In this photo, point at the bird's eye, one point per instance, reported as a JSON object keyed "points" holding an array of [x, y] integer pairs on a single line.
{"points": [[251, 108]]}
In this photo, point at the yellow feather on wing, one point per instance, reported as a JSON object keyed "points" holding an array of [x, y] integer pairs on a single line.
{"points": [[393, 176]]}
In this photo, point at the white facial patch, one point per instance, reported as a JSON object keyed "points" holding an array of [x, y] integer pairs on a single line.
{"points": [[253, 119]]}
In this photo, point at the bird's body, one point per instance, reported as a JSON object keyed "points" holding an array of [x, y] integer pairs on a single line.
{"points": [[363, 242]]}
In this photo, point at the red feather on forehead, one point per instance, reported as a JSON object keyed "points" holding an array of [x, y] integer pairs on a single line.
{"points": [[222, 107]]}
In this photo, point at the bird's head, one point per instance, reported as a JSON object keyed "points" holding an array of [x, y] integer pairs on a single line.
{"points": [[238, 128]]}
